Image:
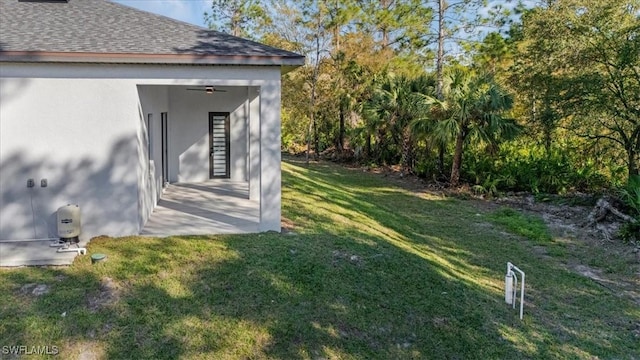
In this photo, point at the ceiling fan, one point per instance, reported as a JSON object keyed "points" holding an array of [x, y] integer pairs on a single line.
{"points": [[207, 89]]}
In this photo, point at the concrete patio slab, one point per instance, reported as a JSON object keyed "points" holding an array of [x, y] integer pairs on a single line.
{"points": [[212, 207], [33, 253]]}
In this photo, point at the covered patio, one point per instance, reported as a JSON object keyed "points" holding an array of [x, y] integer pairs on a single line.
{"points": [[217, 206], [210, 157]]}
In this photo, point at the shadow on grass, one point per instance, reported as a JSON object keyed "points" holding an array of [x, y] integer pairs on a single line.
{"points": [[372, 271], [451, 239]]}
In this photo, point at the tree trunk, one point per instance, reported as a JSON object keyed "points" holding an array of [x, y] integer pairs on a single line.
{"points": [[548, 126], [634, 155], [380, 145], [457, 158], [440, 56], [341, 129], [547, 141], [309, 129], [235, 22], [441, 150], [367, 146], [312, 99], [384, 5], [407, 151], [440, 74], [633, 163], [604, 207], [316, 141]]}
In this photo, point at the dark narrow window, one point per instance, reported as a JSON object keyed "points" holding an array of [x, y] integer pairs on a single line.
{"points": [[219, 145], [150, 135], [164, 144]]}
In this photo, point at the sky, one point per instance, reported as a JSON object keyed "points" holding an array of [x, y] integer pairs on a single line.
{"points": [[190, 11]]}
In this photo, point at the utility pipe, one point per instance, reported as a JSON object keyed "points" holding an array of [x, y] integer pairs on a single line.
{"points": [[509, 286]]}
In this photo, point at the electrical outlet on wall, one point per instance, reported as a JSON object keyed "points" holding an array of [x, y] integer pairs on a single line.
{"points": [[30, 183], [43, 183]]}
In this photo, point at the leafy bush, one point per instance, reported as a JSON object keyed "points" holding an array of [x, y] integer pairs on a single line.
{"points": [[630, 232], [630, 195], [528, 168]]}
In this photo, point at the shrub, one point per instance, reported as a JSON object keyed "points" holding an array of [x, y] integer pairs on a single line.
{"points": [[630, 195], [529, 168]]}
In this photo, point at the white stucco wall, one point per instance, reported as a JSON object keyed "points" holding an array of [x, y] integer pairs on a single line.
{"points": [[154, 100], [270, 156], [82, 127], [189, 143], [80, 135]]}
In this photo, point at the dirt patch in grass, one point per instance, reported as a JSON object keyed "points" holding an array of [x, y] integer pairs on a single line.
{"points": [[611, 263], [107, 295], [287, 226], [87, 350], [34, 289]]}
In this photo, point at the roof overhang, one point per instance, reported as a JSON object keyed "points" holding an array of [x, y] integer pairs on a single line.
{"points": [[287, 62]]}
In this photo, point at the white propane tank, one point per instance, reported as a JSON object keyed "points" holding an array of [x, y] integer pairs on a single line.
{"points": [[69, 222], [508, 288]]}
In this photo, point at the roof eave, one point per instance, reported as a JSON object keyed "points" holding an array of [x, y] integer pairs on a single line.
{"points": [[159, 59]]}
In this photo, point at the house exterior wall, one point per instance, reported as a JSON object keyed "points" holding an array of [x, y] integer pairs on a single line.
{"points": [[79, 135], [83, 128], [189, 143], [270, 156], [154, 100], [253, 97]]}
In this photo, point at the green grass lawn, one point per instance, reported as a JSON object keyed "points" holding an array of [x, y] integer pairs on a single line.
{"points": [[369, 271]]}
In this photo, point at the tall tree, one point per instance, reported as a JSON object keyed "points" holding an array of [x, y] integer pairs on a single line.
{"points": [[591, 53], [401, 26], [494, 54], [455, 28], [314, 21], [474, 108], [457, 24], [236, 17], [399, 101], [347, 70]]}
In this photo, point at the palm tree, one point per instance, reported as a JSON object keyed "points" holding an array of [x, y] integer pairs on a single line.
{"points": [[379, 115], [420, 105], [473, 109], [396, 103]]}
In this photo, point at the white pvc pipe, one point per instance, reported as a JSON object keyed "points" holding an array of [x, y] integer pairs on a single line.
{"points": [[515, 289], [511, 267], [508, 288], [521, 294]]}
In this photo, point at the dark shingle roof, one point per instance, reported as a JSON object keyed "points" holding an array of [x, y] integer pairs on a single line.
{"points": [[99, 30]]}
